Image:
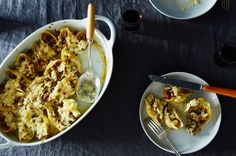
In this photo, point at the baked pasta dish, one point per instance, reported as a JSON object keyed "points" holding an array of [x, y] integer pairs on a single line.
{"points": [[162, 113], [38, 98], [175, 94], [198, 114]]}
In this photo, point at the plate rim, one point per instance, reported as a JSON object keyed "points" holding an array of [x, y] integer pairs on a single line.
{"points": [[181, 18], [167, 150]]}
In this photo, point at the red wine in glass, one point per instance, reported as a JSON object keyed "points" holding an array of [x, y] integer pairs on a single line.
{"points": [[131, 17], [226, 55]]}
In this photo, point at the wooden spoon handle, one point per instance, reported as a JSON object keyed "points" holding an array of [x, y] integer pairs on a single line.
{"points": [[90, 22], [221, 91]]}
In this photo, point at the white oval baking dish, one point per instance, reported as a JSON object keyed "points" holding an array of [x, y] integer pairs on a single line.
{"points": [[74, 24]]}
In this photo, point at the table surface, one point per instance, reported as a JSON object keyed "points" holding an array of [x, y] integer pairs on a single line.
{"points": [[164, 45]]}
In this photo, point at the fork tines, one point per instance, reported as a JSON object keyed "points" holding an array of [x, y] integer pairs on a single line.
{"points": [[157, 129], [225, 4]]}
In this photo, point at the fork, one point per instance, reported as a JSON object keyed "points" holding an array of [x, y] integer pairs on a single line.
{"points": [[160, 133], [225, 4]]}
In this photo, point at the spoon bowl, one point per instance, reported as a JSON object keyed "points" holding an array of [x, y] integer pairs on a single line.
{"points": [[88, 87]]}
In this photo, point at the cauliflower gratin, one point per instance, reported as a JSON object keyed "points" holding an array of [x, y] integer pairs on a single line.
{"points": [[162, 112], [198, 114], [37, 100], [175, 94]]}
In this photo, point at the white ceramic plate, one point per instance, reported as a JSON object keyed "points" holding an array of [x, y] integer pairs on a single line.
{"points": [[177, 9], [184, 142]]}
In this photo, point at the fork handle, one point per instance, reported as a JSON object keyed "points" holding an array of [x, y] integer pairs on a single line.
{"points": [[172, 147]]}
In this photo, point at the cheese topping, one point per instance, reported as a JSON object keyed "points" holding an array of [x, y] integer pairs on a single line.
{"points": [[37, 100]]}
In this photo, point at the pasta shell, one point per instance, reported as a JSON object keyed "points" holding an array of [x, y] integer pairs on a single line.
{"points": [[172, 118], [22, 57], [198, 113], [175, 94], [155, 108], [48, 38]]}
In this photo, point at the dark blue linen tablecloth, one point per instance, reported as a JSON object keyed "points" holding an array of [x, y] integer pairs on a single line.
{"points": [[164, 45]]}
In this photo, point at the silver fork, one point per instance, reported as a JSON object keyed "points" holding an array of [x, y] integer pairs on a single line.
{"points": [[160, 133], [225, 4]]}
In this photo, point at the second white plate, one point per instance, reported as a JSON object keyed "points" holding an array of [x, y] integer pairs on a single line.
{"points": [[182, 9], [184, 142]]}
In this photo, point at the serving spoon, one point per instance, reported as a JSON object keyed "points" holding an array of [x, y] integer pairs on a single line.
{"points": [[89, 83]]}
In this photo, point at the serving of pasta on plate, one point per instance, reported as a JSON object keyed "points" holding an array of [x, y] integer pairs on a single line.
{"points": [[38, 100]]}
